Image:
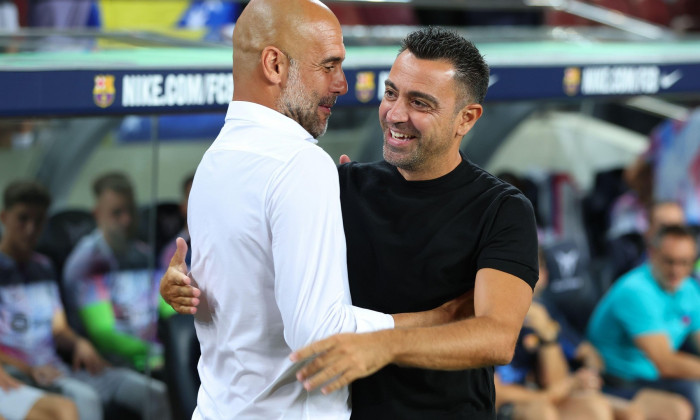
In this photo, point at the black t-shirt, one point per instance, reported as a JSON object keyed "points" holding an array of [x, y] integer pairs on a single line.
{"points": [[414, 245]]}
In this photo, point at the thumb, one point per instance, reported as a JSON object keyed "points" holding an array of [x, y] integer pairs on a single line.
{"points": [[344, 159], [180, 254]]}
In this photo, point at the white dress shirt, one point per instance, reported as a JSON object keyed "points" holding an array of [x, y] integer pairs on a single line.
{"points": [[268, 253]]}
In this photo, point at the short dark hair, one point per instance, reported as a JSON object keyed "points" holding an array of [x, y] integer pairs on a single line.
{"points": [[676, 231], [433, 43], [113, 181], [26, 192]]}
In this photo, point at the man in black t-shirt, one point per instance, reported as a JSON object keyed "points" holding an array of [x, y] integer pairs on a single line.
{"points": [[425, 226], [422, 227]]}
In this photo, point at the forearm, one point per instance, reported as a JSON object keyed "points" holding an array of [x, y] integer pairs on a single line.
{"points": [[429, 318], [470, 343], [101, 328], [552, 366], [23, 367], [680, 365], [461, 307]]}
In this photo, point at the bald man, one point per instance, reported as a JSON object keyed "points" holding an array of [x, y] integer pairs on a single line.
{"points": [[268, 248]]}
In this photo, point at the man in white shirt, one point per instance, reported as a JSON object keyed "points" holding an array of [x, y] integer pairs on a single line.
{"points": [[268, 248]]}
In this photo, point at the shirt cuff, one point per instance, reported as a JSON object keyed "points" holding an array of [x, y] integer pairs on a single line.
{"points": [[368, 321]]}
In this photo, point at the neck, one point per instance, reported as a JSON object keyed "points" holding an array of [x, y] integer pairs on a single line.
{"points": [[13, 252]]}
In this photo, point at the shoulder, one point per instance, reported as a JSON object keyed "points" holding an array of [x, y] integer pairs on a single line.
{"points": [[634, 288], [86, 245], [486, 183]]}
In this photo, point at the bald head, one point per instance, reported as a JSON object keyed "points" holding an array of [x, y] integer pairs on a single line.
{"points": [[287, 55], [288, 25], [282, 23]]}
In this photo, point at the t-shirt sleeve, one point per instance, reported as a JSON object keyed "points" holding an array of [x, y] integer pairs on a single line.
{"points": [[510, 242]]}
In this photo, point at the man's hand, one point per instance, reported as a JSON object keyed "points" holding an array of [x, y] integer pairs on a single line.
{"points": [[44, 375], [342, 358], [85, 356], [461, 307], [7, 382], [590, 357], [176, 287], [587, 379], [344, 159]]}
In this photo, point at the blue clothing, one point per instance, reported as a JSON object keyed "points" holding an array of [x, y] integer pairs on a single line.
{"points": [[635, 306], [525, 360]]}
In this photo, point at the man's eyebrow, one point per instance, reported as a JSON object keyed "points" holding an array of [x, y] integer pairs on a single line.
{"points": [[414, 93], [332, 60]]}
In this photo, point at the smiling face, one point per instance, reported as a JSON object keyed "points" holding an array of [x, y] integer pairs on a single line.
{"points": [[423, 117], [315, 79]]}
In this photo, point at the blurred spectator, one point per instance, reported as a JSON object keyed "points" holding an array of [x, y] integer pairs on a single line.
{"points": [[16, 134], [61, 13], [629, 213], [547, 347], [33, 324], [646, 316], [630, 250], [9, 16], [19, 402], [107, 278], [169, 249]]}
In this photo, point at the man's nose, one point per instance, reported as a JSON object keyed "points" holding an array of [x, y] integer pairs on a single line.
{"points": [[397, 112], [339, 85]]}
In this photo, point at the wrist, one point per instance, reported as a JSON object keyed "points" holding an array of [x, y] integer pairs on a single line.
{"points": [[548, 340]]}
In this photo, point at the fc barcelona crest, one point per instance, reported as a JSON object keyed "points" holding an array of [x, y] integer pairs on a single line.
{"points": [[365, 86], [572, 80], [103, 93]]}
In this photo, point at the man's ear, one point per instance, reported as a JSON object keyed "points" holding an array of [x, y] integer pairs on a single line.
{"points": [[275, 65], [467, 117]]}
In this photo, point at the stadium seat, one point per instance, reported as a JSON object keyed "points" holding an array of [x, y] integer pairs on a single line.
{"points": [[63, 231], [572, 288]]}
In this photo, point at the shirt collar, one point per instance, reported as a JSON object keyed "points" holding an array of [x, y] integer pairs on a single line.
{"points": [[262, 115]]}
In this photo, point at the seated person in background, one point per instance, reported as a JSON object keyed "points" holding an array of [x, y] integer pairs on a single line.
{"points": [[33, 324], [629, 212], [169, 249], [108, 279], [22, 402], [546, 348], [639, 325], [627, 253]]}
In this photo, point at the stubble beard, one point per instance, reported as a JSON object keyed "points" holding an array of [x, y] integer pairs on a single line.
{"points": [[300, 104], [424, 154]]}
